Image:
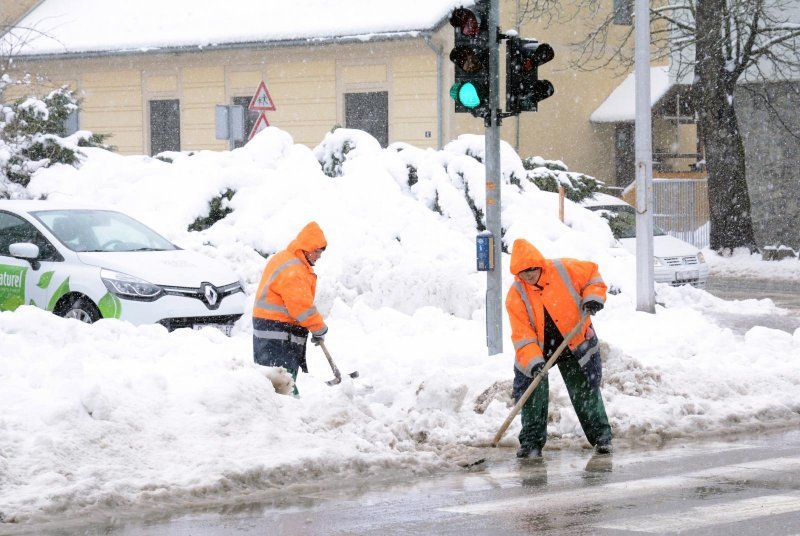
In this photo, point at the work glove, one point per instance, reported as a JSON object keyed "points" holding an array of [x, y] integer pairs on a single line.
{"points": [[537, 369], [592, 307], [319, 335], [316, 340]]}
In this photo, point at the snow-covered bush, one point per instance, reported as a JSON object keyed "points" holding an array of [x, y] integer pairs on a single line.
{"points": [[32, 136], [548, 175], [338, 143], [218, 208]]}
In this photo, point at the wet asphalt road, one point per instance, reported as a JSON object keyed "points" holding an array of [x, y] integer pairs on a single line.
{"points": [[744, 486], [783, 292]]}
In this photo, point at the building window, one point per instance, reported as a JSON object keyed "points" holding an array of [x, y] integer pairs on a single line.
{"points": [[368, 112], [250, 118], [165, 126], [623, 12]]}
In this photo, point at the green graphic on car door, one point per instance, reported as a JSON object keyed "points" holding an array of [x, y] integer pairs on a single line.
{"points": [[44, 280], [62, 290], [110, 306], [12, 286]]}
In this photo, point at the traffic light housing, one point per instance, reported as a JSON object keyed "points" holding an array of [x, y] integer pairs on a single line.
{"points": [[470, 55], [524, 90]]}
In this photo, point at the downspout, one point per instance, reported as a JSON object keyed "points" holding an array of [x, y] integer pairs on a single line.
{"points": [[518, 121], [439, 87]]}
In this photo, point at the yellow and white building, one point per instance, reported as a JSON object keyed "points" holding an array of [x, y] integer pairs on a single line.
{"points": [[150, 75]]}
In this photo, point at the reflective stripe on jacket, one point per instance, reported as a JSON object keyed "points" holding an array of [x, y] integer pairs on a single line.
{"points": [[564, 286], [288, 284]]}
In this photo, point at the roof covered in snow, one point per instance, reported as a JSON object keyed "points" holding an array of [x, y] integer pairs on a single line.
{"points": [[620, 106], [101, 26]]}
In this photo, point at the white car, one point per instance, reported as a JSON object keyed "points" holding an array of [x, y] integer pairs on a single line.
{"points": [[675, 261], [89, 263]]}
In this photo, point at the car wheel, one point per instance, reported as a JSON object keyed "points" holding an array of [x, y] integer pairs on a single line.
{"points": [[82, 309]]}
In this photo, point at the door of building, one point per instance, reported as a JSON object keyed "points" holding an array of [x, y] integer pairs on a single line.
{"points": [[368, 112], [165, 126]]}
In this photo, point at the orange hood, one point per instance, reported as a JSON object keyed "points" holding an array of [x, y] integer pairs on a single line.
{"points": [[309, 238], [524, 255]]}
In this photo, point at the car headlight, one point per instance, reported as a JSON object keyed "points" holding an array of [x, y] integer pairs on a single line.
{"points": [[129, 287], [658, 262], [700, 257]]}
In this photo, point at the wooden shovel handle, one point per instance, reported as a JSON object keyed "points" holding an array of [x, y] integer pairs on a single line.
{"points": [[535, 383], [334, 368]]}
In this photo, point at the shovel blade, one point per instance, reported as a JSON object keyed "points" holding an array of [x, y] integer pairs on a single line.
{"points": [[338, 379]]}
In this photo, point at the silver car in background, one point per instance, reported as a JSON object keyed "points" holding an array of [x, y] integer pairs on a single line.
{"points": [[675, 261]]}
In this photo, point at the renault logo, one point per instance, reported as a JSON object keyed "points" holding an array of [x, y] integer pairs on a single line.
{"points": [[210, 294]]}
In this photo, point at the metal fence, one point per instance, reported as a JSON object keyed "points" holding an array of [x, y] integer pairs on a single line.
{"points": [[680, 208]]}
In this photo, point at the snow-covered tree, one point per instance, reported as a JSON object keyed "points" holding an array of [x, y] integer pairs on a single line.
{"points": [[32, 136], [714, 44]]}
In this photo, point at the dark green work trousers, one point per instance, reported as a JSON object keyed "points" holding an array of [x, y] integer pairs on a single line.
{"points": [[293, 372], [588, 404]]}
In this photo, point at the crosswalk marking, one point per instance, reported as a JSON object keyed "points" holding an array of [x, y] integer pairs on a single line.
{"points": [[627, 461], [702, 516], [622, 490]]}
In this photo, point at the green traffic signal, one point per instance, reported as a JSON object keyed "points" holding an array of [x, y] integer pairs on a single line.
{"points": [[465, 94], [470, 56]]}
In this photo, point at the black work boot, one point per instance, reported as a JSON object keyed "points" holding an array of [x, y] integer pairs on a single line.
{"points": [[529, 452], [603, 447]]}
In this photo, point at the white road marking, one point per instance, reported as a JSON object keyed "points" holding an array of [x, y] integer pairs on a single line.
{"points": [[630, 488], [573, 465], [702, 516]]}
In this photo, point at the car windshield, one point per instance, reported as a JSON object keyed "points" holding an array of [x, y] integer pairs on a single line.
{"points": [[101, 230], [622, 220]]}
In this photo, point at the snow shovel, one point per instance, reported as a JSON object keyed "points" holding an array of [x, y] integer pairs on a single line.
{"points": [[337, 375], [529, 391]]}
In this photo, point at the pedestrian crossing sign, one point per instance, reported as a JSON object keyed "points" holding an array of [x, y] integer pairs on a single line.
{"points": [[261, 100]]}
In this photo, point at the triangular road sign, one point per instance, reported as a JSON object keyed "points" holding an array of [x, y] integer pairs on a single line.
{"points": [[261, 124], [261, 100]]}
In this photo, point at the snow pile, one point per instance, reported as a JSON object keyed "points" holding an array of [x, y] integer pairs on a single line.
{"points": [[113, 415], [743, 263]]}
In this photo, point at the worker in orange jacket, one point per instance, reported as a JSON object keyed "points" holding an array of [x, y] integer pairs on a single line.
{"points": [[547, 300], [284, 311]]}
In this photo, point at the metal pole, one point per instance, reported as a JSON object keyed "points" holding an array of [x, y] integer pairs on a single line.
{"points": [[494, 279], [645, 293], [231, 136]]}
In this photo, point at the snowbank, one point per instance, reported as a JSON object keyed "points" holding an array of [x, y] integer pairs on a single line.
{"points": [[111, 414]]}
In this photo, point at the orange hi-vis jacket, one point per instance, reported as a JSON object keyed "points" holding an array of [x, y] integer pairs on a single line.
{"points": [[288, 285], [563, 288]]}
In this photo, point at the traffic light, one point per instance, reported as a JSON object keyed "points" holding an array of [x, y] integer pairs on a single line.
{"points": [[523, 87], [470, 55]]}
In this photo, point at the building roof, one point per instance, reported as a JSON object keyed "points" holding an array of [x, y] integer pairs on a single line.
{"points": [[620, 106], [57, 27]]}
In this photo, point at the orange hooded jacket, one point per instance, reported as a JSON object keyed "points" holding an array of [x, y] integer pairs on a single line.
{"points": [[288, 285], [563, 288]]}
